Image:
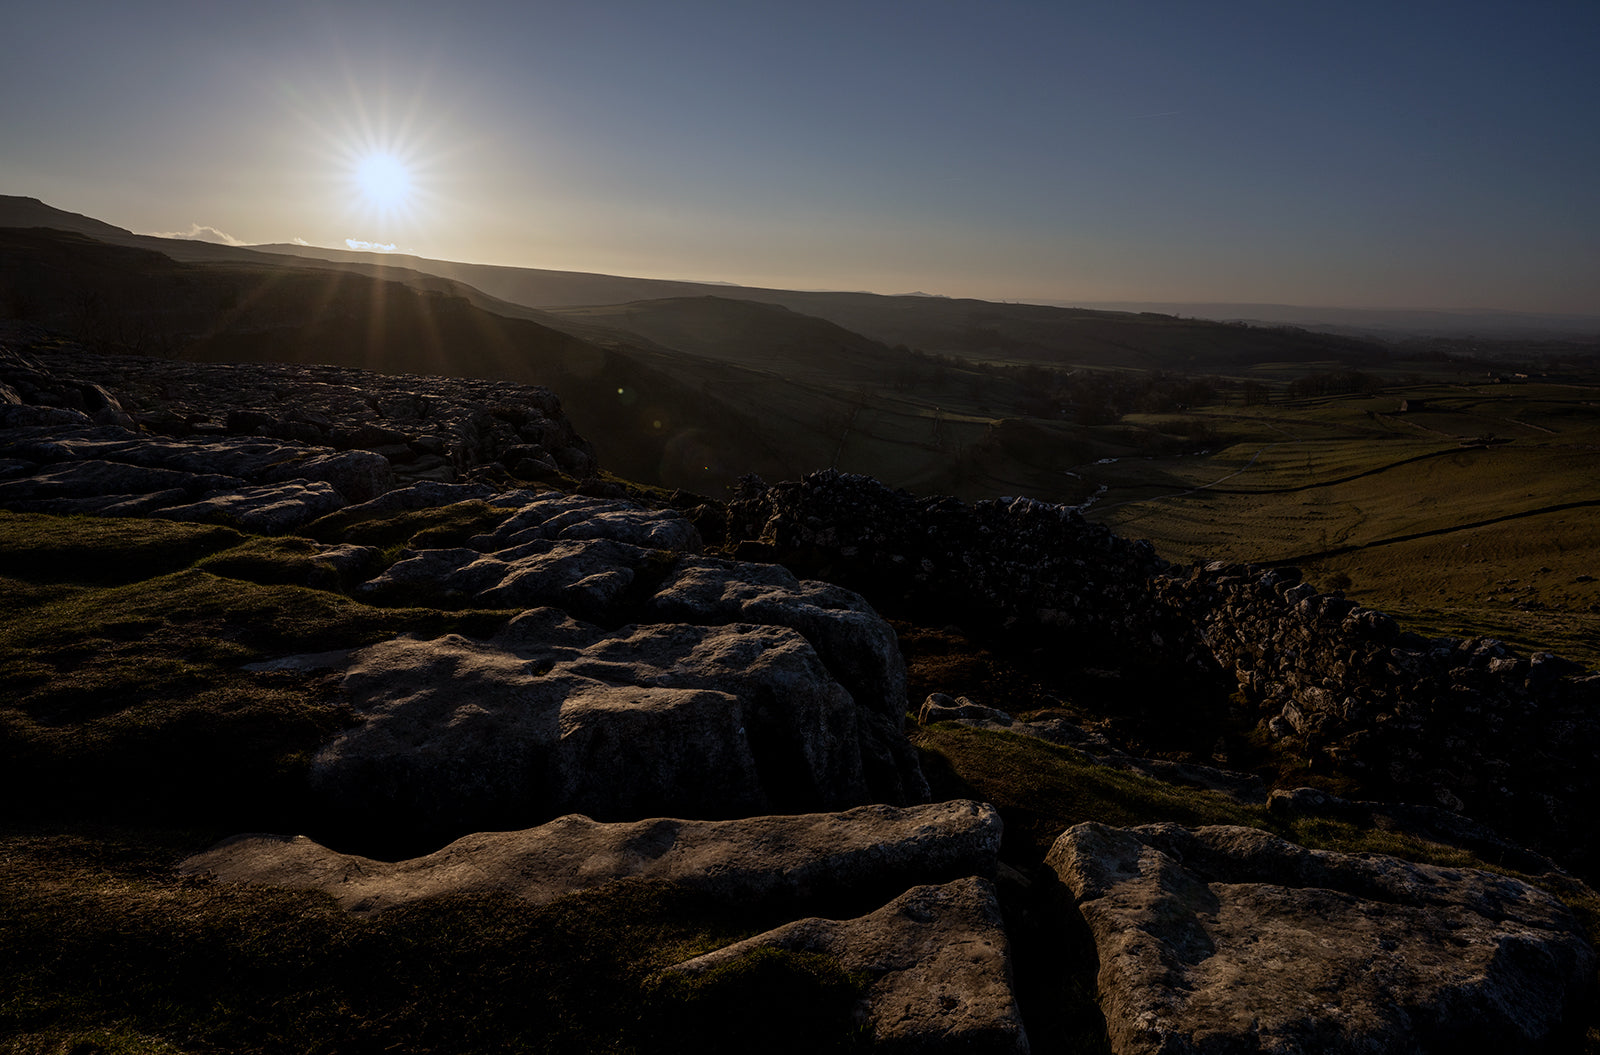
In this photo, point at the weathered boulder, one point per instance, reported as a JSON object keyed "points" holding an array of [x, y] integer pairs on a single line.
{"points": [[96, 478], [854, 641], [584, 555], [939, 963], [267, 510], [819, 857], [112, 471], [359, 476], [1226, 939], [588, 578], [425, 426], [554, 716], [552, 515]]}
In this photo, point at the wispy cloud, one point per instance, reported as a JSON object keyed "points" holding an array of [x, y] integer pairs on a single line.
{"points": [[298, 241], [199, 233], [372, 247]]}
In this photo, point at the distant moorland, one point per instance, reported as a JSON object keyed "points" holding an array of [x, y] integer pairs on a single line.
{"points": [[1446, 480]]}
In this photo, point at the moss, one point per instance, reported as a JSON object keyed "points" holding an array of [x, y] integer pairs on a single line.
{"points": [[35, 547], [127, 698], [106, 945], [1043, 789], [284, 561]]}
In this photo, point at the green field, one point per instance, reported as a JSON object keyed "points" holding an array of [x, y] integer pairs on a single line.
{"points": [[1403, 510]]}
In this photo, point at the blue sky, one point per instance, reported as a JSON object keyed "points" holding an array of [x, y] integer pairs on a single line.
{"points": [[1408, 154]]}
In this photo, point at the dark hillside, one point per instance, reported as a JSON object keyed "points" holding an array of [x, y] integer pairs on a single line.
{"points": [[648, 425], [972, 328], [760, 336]]}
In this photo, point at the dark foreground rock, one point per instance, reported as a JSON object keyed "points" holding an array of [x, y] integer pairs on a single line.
{"points": [[1224, 939], [268, 448], [553, 716], [793, 860], [939, 963], [425, 427], [936, 958]]}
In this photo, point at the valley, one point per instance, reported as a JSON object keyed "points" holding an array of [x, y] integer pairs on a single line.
{"points": [[625, 672]]}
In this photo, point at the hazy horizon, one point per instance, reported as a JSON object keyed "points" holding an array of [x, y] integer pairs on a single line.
{"points": [[1435, 157]]}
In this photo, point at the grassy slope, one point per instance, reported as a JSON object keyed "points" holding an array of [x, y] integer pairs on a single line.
{"points": [[1503, 539]]}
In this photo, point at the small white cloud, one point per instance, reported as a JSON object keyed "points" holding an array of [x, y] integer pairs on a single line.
{"points": [[372, 247], [298, 241], [198, 233]]}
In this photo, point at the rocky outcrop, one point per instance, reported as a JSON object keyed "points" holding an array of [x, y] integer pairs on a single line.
{"points": [[418, 427], [553, 716], [821, 858], [613, 563], [1226, 939], [265, 487], [938, 962]]}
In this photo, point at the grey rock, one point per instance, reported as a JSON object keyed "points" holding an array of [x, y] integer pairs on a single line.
{"points": [[265, 510], [554, 716], [553, 515], [858, 645], [792, 860], [939, 963], [359, 476], [859, 648], [95, 477], [425, 495], [1226, 939], [588, 578]]}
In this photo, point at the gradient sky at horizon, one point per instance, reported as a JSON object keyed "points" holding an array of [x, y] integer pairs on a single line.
{"points": [[1412, 154]]}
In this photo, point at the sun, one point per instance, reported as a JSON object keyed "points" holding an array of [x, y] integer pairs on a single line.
{"points": [[384, 181]]}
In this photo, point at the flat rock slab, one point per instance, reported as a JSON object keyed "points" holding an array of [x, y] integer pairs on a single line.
{"points": [[1227, 939], [553, 716], [551, 515], [789, 859], [939, 963]]}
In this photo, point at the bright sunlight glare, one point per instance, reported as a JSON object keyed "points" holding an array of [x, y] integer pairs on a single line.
{"points": [[384, 181]]}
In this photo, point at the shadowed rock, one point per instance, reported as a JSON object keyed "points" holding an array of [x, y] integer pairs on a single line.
{"points": [[938, 960], [551, 515], [788, 859], [553, 715], [1226, 939]]}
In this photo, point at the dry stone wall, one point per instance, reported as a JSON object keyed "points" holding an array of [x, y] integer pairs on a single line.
{"points": [[1467, 724]]}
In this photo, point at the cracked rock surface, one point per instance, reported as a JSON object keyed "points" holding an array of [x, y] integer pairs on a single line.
{"points": [[1226, 939], [939, 963], [795, 859]]}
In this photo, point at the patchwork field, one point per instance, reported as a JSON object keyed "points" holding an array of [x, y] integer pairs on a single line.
{"points": [[1478, 512]]}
